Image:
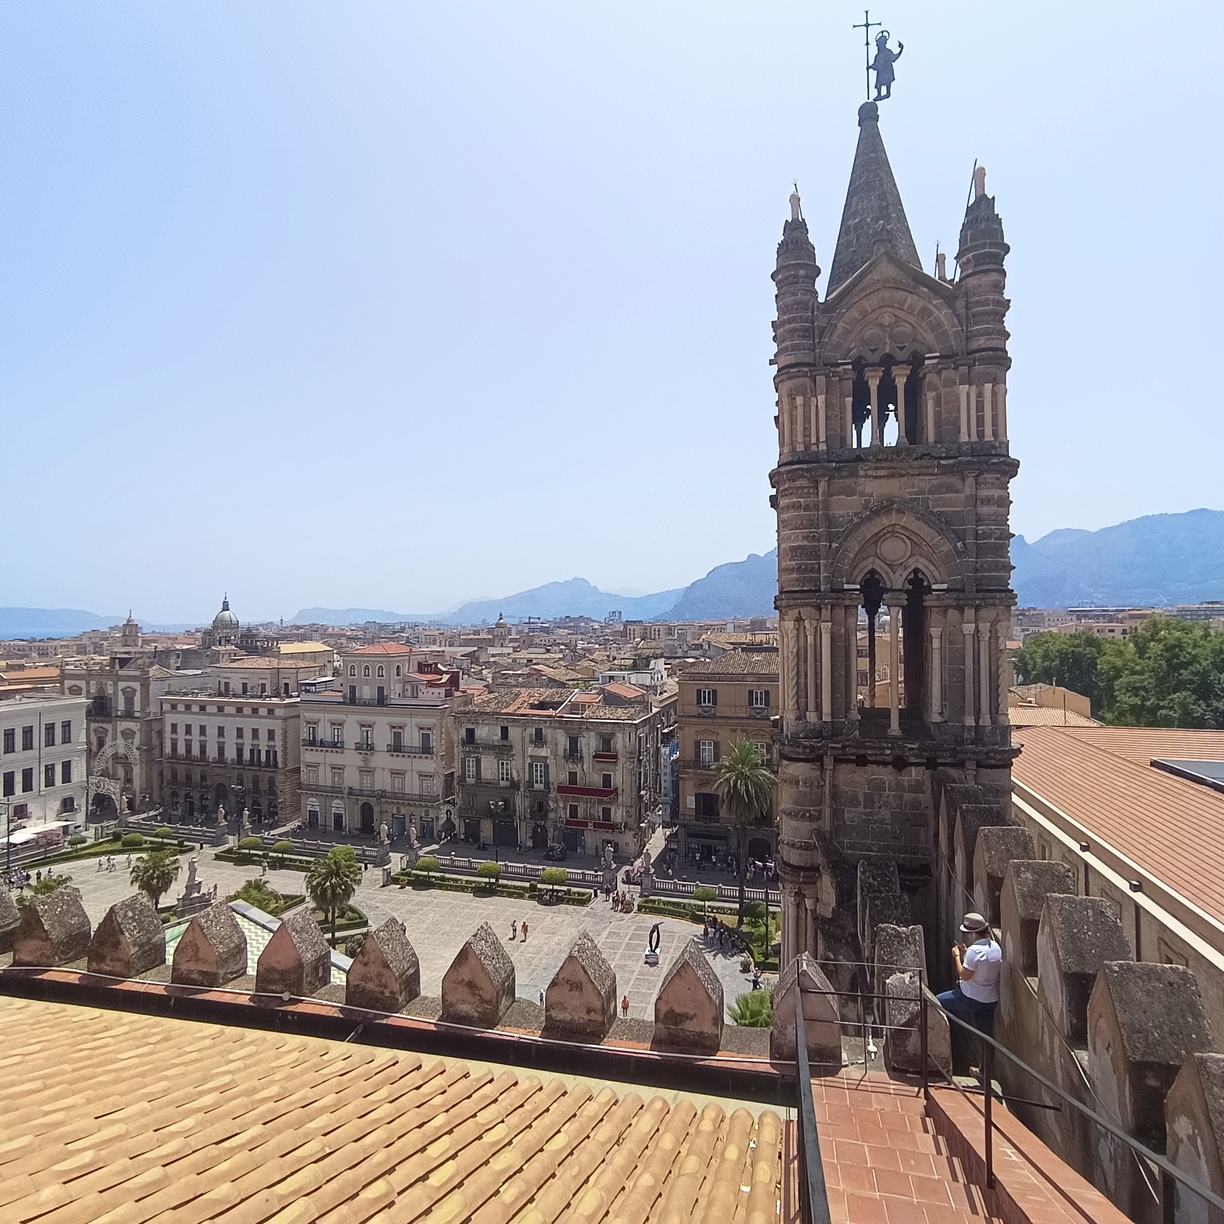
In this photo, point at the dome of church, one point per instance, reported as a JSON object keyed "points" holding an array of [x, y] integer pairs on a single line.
{"points": [[225, 619]]}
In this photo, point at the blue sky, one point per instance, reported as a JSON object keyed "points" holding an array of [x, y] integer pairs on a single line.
{"points": [[391, 305]]}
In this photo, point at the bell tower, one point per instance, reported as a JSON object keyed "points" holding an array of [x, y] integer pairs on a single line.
{"points": [[891, 491]]}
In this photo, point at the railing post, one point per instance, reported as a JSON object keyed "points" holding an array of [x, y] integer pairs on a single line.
{"points": [[1168, 1198], [922, 1029], [988, 1076]]}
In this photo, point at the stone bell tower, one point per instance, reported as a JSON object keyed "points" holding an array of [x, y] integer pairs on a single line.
{"points": [[891, 491]]}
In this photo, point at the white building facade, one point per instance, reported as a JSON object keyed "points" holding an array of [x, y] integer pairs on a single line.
{"points": [[42, 759], [374, 746]]}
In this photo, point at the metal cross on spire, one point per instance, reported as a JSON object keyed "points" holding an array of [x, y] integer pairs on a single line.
{"points": [[867, 25]]}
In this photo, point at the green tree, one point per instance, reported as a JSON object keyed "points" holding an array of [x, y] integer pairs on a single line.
{"points": [[752, 1010], [1070, 660], [331, 883], [258, 893], [155, 873], [490, 872], [1168, 673], [280, 849], [705, 894], [428, 865], [553, 877], [745, 788], [48, 884]]}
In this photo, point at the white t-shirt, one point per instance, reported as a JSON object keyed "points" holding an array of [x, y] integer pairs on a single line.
{"points": [[985, 958]]}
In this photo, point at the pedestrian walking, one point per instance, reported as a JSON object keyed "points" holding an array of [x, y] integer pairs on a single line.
{"points": [[129, 861], [514, 930], [38, 876], [625, 1007], [524, 932]]}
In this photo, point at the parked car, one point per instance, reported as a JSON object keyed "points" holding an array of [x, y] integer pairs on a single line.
{"points": [[555, 853]]}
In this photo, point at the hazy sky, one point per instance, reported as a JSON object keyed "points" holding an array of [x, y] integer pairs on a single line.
{"points": [[393, 304]]}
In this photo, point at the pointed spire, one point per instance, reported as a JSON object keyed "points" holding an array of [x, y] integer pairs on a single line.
{"points": [[873, 218], [982, 244], [796, 245]]}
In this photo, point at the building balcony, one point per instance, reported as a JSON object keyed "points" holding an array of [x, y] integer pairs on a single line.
{"points": [[357, 792], [576, 757], [411, 749], [588, 792], [611, 757], [332, 745]]}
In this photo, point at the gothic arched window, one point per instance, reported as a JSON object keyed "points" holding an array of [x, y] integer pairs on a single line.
{"points": [[365, 671], [382, 671]]}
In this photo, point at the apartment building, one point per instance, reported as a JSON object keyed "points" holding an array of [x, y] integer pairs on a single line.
{"points": [[374, 743], [238, 754], [42, 758], [261, 675], [537, 767], [722, 700]]}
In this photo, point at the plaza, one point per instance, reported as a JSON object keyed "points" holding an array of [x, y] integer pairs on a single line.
{"points": [[439, 922]]}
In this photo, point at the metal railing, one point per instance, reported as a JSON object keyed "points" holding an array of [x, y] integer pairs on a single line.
{"points": [[813, 1194], [322, 743], [1169, 1175], [411, 749]]}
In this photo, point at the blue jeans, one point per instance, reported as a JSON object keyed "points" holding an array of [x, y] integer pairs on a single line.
{"points": [[980, 1015]]}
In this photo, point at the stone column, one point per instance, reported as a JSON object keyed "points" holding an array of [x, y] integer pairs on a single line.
{"points": [[826, 666], [900, 373], [851, 652], [819, 426], [790, 907], [930, 418], [873, 385], [849, 421], [988, 411], [965, 421], [935, 688], [1001, 400], [795, 626], [798, 426], [809, 926], [894, 667], [968, 628], [1001, 670], [810, 703], [984, 673]]}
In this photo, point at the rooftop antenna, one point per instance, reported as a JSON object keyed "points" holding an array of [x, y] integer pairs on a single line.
{"points": [[867, 25]]}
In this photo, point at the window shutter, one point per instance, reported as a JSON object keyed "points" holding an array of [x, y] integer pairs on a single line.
{"points": [[546, 775]]}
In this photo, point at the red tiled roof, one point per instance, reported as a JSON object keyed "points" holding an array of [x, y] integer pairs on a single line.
{"points": [[382, 648], [1101, 779]]}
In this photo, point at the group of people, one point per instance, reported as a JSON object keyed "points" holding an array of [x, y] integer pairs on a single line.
{"points": [[622, 902], [19, 879], [515, 929], [108, 863], [716, 933]]}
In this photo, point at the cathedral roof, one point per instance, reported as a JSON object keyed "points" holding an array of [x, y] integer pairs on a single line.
{"points": [[873, 218], [225, 619]]}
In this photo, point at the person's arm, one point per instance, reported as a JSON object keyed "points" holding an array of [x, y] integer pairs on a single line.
{"points": [[958, 954]]}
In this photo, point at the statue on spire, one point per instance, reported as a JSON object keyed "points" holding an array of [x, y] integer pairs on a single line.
{"points": [[882, 66]]}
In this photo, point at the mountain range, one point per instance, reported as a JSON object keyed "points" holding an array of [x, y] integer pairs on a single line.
{"points": [[1156, 561]]}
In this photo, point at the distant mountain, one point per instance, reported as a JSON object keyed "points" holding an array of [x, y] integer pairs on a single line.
{"points": [[51, 622], [1155, 561], [575, 597], [737, 589], [352, 616]]}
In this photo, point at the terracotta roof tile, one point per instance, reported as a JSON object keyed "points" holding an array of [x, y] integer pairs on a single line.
{"points": [[265, 1128], [1101, 779]]}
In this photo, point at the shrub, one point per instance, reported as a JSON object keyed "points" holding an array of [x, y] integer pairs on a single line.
{"points": [[77, 839], [428, 864], [704, 894], [251, 843], [257, 893], [115, 834], [752, 1010], [754, 911], [554, 877], [131, 841], [353, 944], [489, 871], [280, 849], [165, 833]]}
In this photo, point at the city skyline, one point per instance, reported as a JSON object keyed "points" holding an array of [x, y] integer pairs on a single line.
{"points": [[260, 265]]}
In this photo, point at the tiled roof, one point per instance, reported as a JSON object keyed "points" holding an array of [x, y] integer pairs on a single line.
{"points": [[1042, 716], [382, 648], [1101, 779], [736, 663], [629, 692], [114, 1115]]}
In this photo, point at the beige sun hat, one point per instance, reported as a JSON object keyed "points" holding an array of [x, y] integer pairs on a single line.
{"points": [[974, 924]]}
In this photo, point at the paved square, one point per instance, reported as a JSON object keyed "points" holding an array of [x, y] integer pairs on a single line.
{"points": [[438, 922]]}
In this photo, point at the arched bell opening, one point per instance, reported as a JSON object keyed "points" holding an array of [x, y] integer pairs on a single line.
{"points": [[872, 590], [913, 638]]}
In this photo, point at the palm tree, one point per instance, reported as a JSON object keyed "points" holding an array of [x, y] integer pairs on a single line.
{"points": [[745, 787], [155, 873], [331, 883]]}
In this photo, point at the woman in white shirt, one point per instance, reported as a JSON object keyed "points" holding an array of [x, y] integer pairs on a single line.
{"points": [[979, 964]]}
